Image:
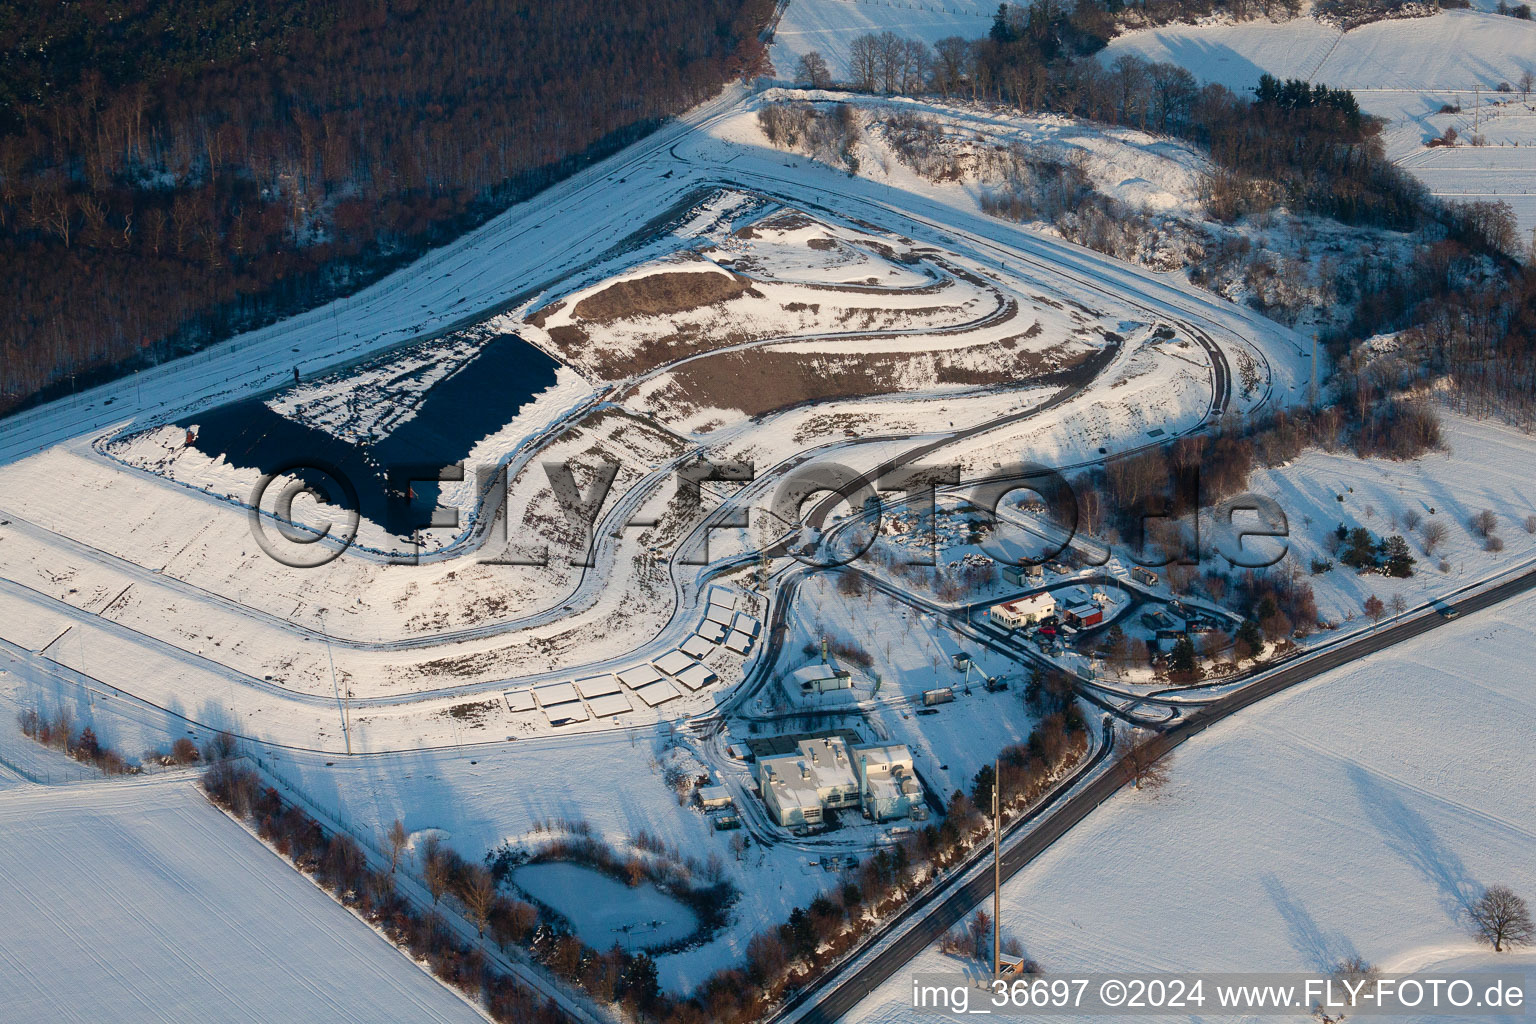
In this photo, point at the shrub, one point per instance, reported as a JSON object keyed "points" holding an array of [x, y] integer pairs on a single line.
{"points": [[220, 747], [233, 787]]}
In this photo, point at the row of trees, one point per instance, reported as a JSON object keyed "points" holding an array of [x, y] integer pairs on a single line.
{"points": [[57, 730], [339, 864], [192, 170]]}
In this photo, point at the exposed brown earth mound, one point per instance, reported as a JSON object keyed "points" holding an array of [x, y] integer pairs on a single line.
{"points": [[761, 381], [539, 317], [660, 295]]}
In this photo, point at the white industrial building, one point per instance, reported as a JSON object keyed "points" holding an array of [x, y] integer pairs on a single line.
{"points": [[826, 774], [697, 647], [714, 797], [673, 662], [798, 787], [1023, 611], [822, 677], [888, 786]]}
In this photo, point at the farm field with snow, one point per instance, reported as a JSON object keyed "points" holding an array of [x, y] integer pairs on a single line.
{"points": [[1423, 75], [828, 26], [1379, 837], [142, 902], [667, 547]]}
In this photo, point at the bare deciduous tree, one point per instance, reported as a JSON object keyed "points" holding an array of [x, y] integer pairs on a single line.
{"points": [[1398, 604], [1433, 535], [1142, 763], [1502, 918], [1359, 977], [343, 861], [914, 64], [479, 896], [434, 868], [980, 933], [395, 841], [951, 63], [1484, 523], [1374, 609], [864, 62], [812, 69]]}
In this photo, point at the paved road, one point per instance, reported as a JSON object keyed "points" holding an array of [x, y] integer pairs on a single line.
{"points": [[836, 995]]}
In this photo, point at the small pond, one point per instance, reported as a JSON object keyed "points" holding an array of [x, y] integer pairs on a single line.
{"points": [[603, 910]]}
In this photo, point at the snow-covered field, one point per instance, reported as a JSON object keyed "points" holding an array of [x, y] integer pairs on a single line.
{"points": [[1404, 70], [828, 26], [1355, 814], [1486, 466], [141, 902]]}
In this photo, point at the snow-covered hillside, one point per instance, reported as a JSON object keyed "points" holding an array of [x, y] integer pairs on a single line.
{"points": [[1404, 70], [1356, 814], [828, 26]]}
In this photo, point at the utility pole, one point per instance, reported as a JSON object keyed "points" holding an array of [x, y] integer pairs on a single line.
{"points": [[997, 871], [346, 734]]}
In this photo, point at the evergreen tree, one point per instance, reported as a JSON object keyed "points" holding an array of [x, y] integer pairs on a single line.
{"points": [[639, 982], [981, 787], [1004, 30], [88, 747], [1250, 639], [1359, 549], [1181, 664], [1396, 556]]}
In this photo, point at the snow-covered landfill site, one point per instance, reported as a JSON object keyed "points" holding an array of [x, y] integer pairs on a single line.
{"points": [[1021, 510]]}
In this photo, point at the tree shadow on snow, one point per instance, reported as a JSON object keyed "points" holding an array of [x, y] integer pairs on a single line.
{"points": [[1317, 950], [1409, 836]]}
